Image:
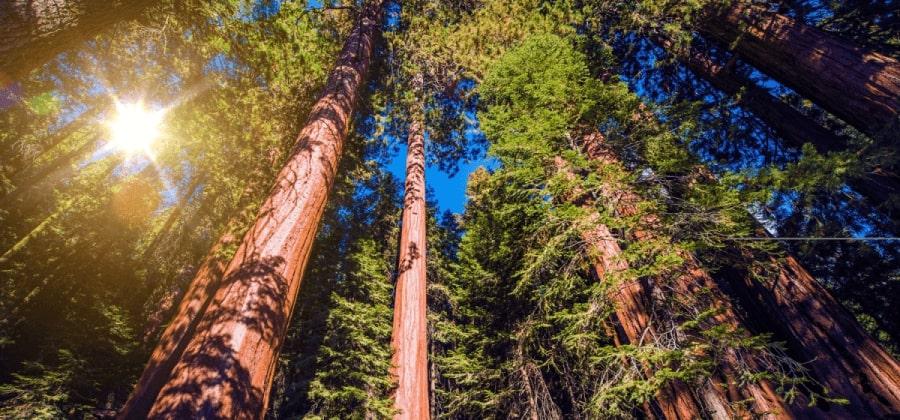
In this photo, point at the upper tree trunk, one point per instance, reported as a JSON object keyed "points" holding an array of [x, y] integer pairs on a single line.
{"points": [[409, 341], [788, 123], [34, 31], [690, 283], [859, 86], [226, 370], [842, 356]]}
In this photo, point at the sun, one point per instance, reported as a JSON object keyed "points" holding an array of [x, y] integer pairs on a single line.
{"points": [[134, 128]]}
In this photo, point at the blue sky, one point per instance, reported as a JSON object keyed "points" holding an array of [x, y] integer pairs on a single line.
{"points": [[450, 192]]}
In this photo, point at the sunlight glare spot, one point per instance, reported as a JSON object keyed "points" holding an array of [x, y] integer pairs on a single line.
{"points": [[135, 128]]}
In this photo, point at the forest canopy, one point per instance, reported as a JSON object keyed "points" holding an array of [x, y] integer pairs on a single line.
{"points": [[248, 209]]}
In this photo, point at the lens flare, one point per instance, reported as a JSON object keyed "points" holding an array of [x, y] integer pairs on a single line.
{"points": [[134, 128]]}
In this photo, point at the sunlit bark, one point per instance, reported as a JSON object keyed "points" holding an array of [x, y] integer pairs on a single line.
{"points": [[227, 367], [861, 87], [175, 337], [409, 341]]}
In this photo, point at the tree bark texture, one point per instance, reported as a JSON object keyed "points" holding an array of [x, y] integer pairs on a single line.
{"points": [[675, 400], [194, 302], [409, 340], [859, 86], [719, 396], [227, 367], [842, 356], [789, 124], [35, 31]]}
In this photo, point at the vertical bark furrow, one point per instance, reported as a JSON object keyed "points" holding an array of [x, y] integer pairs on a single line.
{"points": [[409, 341], [720, 396], [842, 356]]}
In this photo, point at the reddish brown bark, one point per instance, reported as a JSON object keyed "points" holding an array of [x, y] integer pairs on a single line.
{"points": [[227, 367], [409, 341], [859, 86], [788, 123], [175, 337], [690, 282], [35, 31], [843, 357], [675, 399]]}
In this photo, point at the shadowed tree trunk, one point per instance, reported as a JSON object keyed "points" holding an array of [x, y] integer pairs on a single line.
{"points": [[788, 123], [227, 367], [173, 216], [843, 357], [674, 400], [196, 299], [409, 340], [859, 86], [721, 394], [35, 31]]}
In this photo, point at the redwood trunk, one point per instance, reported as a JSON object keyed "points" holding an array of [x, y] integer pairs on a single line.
{"points": [[691, 282], [788, 123], [175, 338], [35, 31], [674, 399], [842, 355], [409, 341], [861, 87], [227, 367], [195, 300]]}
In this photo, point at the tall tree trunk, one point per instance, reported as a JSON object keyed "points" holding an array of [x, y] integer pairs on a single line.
{"points": [[25, 181], [35, 31], [674, 400], [181, 329], [227, 368], [842, 356], [859, 86], [719, 398], [788, 123], [409, 341], [173, 216]]}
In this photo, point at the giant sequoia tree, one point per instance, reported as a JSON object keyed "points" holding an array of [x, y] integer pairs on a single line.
{"points": [[621, 252]]}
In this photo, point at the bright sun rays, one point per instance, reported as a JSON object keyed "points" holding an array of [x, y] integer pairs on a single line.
{"points": [[134, 128]]}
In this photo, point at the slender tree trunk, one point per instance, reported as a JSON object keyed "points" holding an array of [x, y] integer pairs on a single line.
{"points": [[35, 31], [41, 227], [788, 123], [843, 357], [25, 181], [691, 282], [227, 367], [674, 400], [173, 216], [859, 86], [409, 341]]}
